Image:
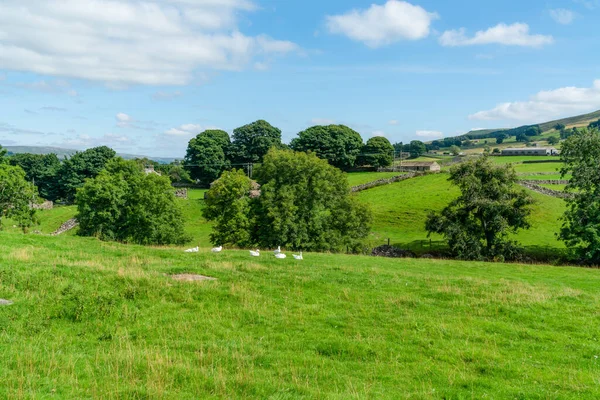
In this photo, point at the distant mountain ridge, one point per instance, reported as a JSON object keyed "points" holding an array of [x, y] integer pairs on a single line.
{"points": [[569, 122], [60, 152]]}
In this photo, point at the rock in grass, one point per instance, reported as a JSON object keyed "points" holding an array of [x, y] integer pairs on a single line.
{"points": [[5, 302]]}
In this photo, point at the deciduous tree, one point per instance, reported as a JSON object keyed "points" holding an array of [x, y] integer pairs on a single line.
{"points": [[377, 153], [16, 195], [41, 170], [81, 166], [337, 144], [125, 204], [490, 207], [228, 206], [251, 142], [580, 231], [206, 156]]}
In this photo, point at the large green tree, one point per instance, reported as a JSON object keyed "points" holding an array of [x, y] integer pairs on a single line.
{"points": [[580, 154], [377, 153], [16, 195], [306, 204], [251, 142], [207, 156], [337, 144], [416, 148], [125, 204], [81, 166], [42, 170], [228, 206], [491, 206]]}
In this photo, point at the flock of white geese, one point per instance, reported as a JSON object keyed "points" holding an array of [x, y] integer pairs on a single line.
{"points": [[253, 253]]}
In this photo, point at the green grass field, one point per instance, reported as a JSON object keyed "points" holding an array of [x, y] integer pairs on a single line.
{"points": [[400, 211], [359, 178], [102, 320]]}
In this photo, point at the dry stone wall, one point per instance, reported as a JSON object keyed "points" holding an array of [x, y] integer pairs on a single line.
{"points": [[382, 182]]}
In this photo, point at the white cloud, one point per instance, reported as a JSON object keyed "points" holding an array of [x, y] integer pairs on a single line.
{"points": [[393, 122], [562, 16], [382, 25], [510, 35], [185, 130], [322, 121], [546, 105], [430, 134], [121, 42], [123, 120]]}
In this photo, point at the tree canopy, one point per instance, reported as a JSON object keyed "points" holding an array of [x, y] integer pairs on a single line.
{"points": [[490, 207], [337, 144], [251, 142], [41, 170], [580, 231], [123, 203], [228, 206], [207, 156], [377, 153], [16, 195], [81, 166], [305, 204]]}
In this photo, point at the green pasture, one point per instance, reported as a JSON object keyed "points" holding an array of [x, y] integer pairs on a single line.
{"points": [[103, 320]]}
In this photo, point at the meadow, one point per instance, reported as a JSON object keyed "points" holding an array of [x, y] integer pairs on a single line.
{"points": [[103, 320], [399, 211]]}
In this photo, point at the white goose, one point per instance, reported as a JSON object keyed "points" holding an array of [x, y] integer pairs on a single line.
{"points": [[280, 256], [217, 249], [194, 250], [278, 250], [255, 253], [298, 256]]}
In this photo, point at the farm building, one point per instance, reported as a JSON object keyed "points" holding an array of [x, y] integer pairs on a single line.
{"points": [[427, 166], [530, 151]]}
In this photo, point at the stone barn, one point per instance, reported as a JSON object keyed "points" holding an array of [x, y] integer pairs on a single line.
{"points": [[421, 166]]}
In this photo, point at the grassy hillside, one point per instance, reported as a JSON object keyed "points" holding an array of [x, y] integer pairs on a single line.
{"points": [[359, 178], [401, 209], [102, 320], [579, 120]]}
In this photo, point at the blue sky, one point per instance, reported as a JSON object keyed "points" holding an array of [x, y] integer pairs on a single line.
{"points": [[144, 77]]}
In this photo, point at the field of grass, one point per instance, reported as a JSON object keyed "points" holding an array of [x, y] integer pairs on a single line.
{"points": [[50, 220], [520, 159], [196, 226], [102, 320], [400, 211], [359, 178]]}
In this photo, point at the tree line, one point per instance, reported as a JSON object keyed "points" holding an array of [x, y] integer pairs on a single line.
{"points": [[212, 152]]}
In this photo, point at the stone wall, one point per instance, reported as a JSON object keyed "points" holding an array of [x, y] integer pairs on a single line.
{"points": [[181, 193], [546, 191], [382, 182], [67, 226], [546, 181], [47, 205]]}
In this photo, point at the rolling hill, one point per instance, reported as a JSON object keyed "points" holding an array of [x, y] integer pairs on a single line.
{"points": [[570, 122]]}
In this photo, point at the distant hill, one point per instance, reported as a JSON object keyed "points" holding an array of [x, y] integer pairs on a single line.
{"points": [[580, 120], [60, 152], [570, 122]]}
